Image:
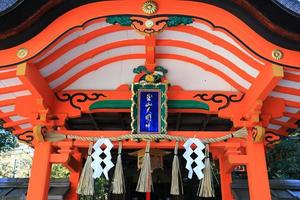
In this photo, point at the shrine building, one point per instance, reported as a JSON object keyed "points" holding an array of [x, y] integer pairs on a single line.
{"points": [[150, 95]]}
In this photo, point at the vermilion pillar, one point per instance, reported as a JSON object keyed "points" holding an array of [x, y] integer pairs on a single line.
{"points": [[225, 176], [258, 181], [40, 173]]}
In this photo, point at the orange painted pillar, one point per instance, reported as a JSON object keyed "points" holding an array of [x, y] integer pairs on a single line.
{"points": [[258, 181], [225, 176], [40, 173], [74, 179]]}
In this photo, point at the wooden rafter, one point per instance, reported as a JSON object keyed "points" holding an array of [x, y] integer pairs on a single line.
{"points": [[36, 84]]}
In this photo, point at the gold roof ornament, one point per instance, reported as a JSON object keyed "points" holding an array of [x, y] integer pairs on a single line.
{"points": [[277, 54], [22, 53], [149, 7]]}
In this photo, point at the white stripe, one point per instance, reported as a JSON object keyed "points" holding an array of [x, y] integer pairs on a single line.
{"points": [[17, 118], [73, 36], [7, 70], [223, 36], [26, 125], [291, 109], [90, 45], [6, 109], [292, 72], [186, 37], [13, 95], [213, 63], [119, 73], [100, 57], [10, 82], [274, 126], [284, 119], [290, 84], [288, 97]]}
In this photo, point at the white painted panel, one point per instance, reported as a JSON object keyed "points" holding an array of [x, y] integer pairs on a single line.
{"points": [[191, 77], [26, 125], [222, 36], [290, 84], [186, 37], [75, 35], [6, 109], [288, 97], [274, 126], [115, 74], [284, 119], [11, 82], [90, 45], [108, 54], [291, 109], [213, 63], [109, 77], [17, 118]]}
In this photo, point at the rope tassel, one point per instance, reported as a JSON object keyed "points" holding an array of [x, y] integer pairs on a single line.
{"points": [[206, 188], [86, 181], [176, 183], [145, 178], [118, 184]]}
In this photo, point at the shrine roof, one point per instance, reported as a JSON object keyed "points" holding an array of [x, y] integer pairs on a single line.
{"points": [[24, 19], [78, 54]]}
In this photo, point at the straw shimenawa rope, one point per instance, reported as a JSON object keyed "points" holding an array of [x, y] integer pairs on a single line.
{"points": [[55, 137]]}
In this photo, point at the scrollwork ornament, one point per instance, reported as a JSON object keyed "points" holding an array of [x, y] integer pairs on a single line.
{"points": [[220, 99], [26, 137], [272, 138], [78, 98]]}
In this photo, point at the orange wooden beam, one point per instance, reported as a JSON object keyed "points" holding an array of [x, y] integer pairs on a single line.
{"points": [[16, 123], [37, 85], [250, 108], [263, 85], [150, 43]]}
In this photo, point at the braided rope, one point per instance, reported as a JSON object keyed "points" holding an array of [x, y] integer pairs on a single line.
{"points": [[237, 134]]}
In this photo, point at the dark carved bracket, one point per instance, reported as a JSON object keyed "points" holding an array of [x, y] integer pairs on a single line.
{"points": [[26, 136], [78, 98], [222, 99], [272, 138]]}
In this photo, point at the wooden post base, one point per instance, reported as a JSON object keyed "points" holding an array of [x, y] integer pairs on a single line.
{"points": [[40, 174]]}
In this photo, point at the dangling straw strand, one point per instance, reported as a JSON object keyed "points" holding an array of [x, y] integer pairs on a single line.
{"points": [[86, 181], [176, 183], [145, 178], [206, 188], [118, 184]]}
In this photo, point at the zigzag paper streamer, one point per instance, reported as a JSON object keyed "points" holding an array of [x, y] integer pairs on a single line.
{"points": [[96, 164], [198, 160]]}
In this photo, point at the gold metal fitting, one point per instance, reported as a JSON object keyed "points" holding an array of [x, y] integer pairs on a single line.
{"points": [[22, 53], [149, 7], [277, 54]]}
